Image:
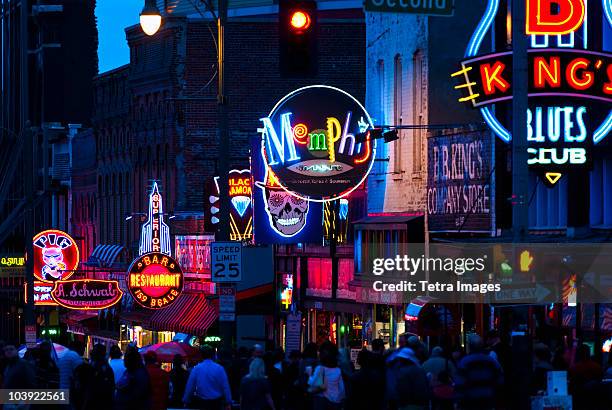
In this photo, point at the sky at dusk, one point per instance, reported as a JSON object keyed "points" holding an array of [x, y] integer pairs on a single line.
{"points": [[113, 17]]}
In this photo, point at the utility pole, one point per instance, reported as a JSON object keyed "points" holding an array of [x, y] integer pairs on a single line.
{"points": [[520, 179], [28, 164], [520, 172], [227, 329]]}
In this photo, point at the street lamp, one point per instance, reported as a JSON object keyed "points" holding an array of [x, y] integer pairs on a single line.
{"points": [[150, 18]]}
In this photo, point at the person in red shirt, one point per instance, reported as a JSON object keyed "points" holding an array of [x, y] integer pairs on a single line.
{"points": [[159, 382]]}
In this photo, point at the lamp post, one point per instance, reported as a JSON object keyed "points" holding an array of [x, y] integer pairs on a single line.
{"points": [[150, 21]]}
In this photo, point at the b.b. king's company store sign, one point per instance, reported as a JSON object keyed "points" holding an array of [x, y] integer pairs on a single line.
{"points": [[155, 280], [311, 144], [459, 189], [569, 84]]}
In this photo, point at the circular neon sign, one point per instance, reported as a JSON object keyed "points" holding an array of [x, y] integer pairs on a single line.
{"points": [[311, 143], [56, 255], [155, 280]]}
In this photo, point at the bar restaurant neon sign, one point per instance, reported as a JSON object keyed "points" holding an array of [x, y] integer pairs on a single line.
{"points": [[309, 143], [568, 84], [155, 280]]}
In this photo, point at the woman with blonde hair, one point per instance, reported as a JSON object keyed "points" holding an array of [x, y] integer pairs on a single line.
{"points": [[255, 392]]}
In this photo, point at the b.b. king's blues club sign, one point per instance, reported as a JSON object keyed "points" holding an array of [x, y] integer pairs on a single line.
{"points": [[569, 81]]}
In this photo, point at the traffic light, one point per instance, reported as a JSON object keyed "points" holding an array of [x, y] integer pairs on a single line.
{"points": [[298, 38]]}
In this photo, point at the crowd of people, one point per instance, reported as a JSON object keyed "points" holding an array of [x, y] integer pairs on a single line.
{"points": [[410, 377]]}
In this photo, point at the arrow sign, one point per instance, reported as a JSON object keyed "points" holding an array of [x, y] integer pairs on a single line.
{"points": [[526, 294]]}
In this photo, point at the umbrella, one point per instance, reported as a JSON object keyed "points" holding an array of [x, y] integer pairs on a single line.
{"points": [[59, 350], [166, 351]]}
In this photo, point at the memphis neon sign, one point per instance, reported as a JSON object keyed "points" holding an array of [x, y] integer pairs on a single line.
{"points": [[559, 135], [310, 143], [155, 234]]}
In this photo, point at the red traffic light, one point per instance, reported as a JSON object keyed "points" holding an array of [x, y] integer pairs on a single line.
{"points": [[300, 20]]}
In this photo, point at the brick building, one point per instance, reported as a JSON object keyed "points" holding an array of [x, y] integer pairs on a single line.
{"points": [[155, 119]]}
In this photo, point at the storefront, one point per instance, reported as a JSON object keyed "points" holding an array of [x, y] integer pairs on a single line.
{"points": [[375, 237]]}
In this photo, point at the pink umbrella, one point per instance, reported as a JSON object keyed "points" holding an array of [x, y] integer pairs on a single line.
{"points": [[58, 349], [166, 351]]}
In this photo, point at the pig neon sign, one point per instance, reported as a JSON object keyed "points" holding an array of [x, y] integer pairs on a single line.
{"points": [[567, 83], [310, 142]]}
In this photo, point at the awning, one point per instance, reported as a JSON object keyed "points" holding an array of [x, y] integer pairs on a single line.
{"points": [[135, 318], [104, 256], [191, 314]]}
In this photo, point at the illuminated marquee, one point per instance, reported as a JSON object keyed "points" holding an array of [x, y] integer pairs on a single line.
{"points": [[155, 280], [56, 256], [567, 85], [310, 143], [286, 294], [86, 293], [42, 293], [241, 210], [155, 234]]}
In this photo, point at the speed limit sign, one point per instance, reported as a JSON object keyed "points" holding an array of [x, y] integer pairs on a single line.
{"points": [[226, 260]]}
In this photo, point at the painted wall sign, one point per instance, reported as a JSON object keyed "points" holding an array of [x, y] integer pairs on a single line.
{"points": [[280, 217], [569, 84], [155, 280], [427, 7], [56, 255], [86, 293], [309, 143], [155, 234], [459, 184]]}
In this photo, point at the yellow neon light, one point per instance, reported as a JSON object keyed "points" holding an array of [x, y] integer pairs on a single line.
{"points": [[462, 71], [470, 97], [553, 177]]}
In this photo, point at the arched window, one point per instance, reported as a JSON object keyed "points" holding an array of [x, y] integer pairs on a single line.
{"points": [[397, 111], [418, 104]]}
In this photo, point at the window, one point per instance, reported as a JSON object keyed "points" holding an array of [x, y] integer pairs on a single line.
{"points": [[417, 111], [601, 193], [397, 112], [547, 206], [379, 109]]}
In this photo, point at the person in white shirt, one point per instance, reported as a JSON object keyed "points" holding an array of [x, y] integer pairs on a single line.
{"points": [[326, 382]]}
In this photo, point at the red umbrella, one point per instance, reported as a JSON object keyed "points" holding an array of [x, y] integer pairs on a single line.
{"points": [[166, 351]]}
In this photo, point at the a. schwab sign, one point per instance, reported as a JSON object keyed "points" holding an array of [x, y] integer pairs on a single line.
{"points": [[459, 182]]}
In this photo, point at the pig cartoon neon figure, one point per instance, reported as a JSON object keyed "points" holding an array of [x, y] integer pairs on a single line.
{"points": [[54, 266]]}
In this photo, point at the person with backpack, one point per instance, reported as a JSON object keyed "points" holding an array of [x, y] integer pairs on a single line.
{"points": [[94, 382], [326, 385]]}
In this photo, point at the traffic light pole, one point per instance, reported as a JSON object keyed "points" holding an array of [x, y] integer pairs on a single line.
{"points": [[227, 329]]}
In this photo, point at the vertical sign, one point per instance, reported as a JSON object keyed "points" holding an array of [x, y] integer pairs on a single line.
{"points": [[30, 336], [155, 234], [293, 332]]}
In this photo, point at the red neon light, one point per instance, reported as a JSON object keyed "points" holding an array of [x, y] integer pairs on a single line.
{"points": [[300, 20], [368, 151], [541, 20], [56, 255], [587, 79], [300, 134], [492, 79], [608, 85], [547, 72]]}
